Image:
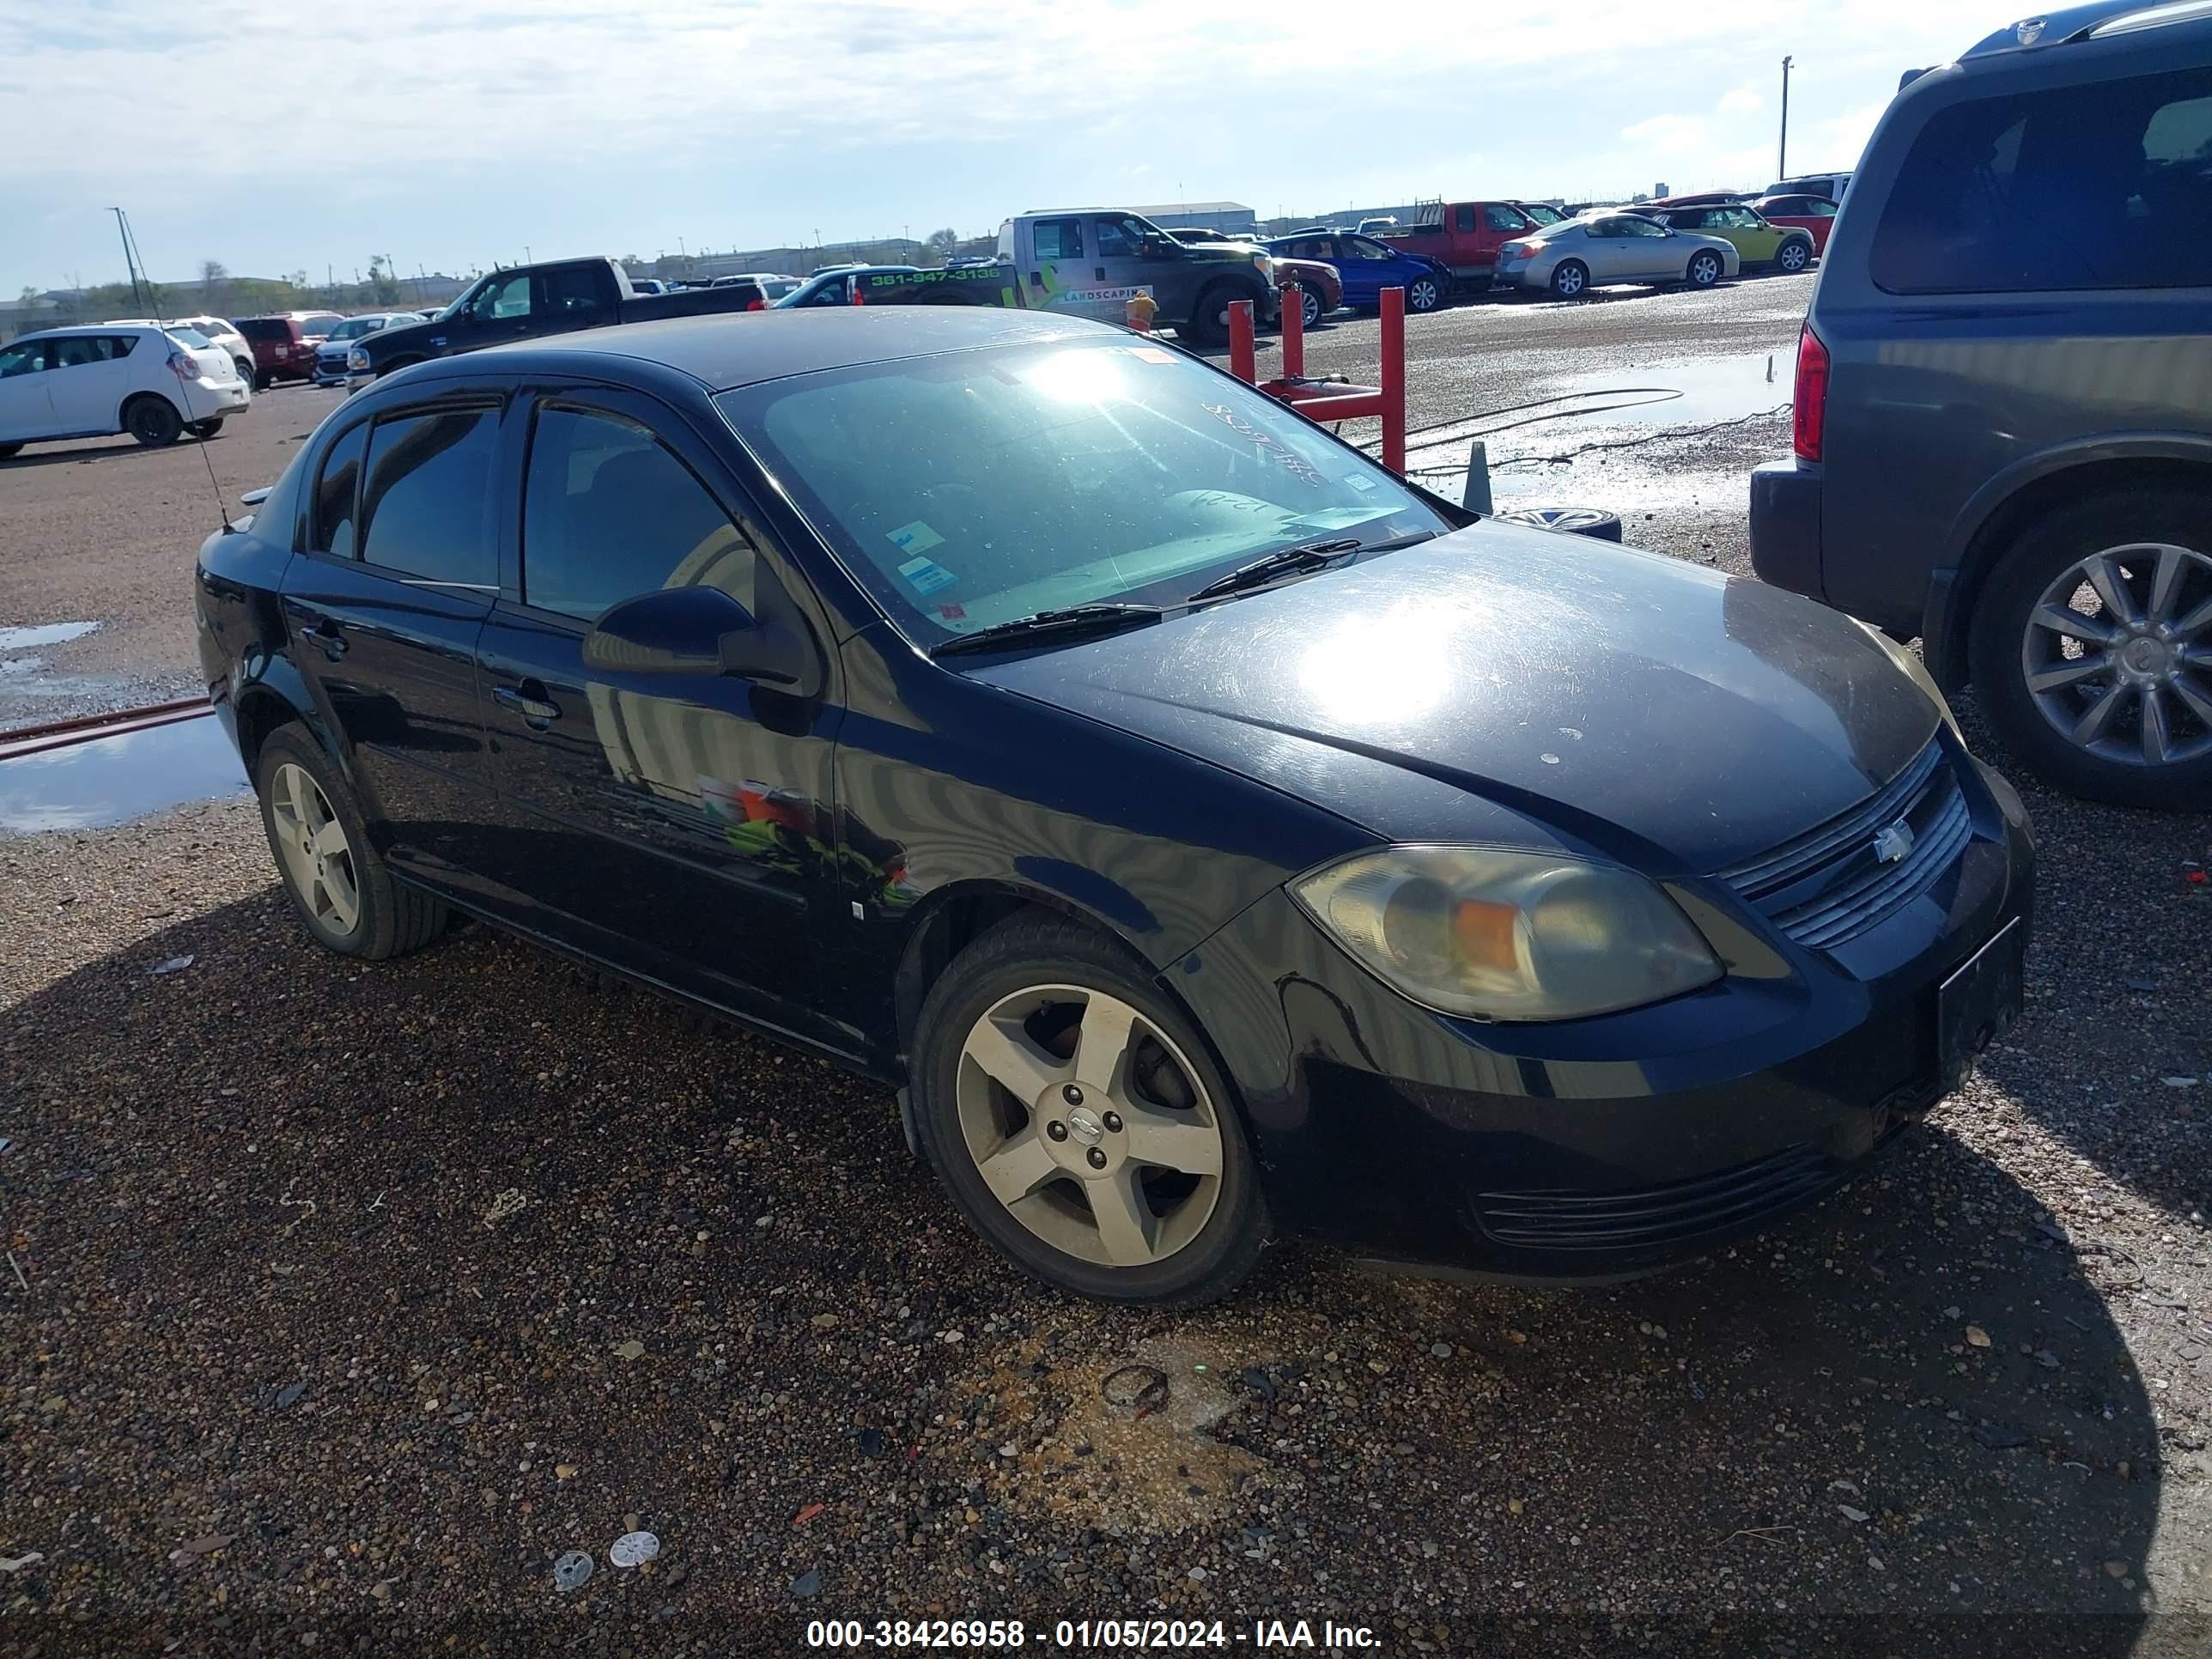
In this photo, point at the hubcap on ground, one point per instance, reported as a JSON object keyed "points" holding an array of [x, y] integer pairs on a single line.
{"points": [[317, 861], [1090, 1126], [2117, 653]]}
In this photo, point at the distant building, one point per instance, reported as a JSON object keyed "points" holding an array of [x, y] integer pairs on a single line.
{"points": [[1231, 216]]}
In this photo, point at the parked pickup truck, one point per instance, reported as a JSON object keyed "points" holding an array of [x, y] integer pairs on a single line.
{"points": [[1466, 236], [1091, 262], [522, 302]]}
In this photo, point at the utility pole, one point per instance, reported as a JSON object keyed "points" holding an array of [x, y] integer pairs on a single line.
{"points": [[1782, 155], [138, 300]]}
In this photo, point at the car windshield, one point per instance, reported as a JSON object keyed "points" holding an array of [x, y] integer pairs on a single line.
{"points": [[1540, 215], [353, 327], [972, 489]]}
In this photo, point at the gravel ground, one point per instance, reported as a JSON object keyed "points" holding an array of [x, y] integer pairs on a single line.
{"points": [[326, 1334]]}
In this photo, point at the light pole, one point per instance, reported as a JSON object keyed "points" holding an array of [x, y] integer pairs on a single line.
{"points": [[1782, 155]]}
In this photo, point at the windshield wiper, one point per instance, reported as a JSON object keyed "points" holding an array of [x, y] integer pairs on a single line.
{"points": [[1075, 620], [1297, 560]]}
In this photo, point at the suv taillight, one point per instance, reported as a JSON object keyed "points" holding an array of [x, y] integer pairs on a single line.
{"points": [[1809, 406]]}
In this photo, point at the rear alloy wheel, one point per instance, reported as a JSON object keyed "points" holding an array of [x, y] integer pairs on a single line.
{"points": [[1077, 1119], [206, 428], [338, 885], [245, 367], [1423, 295], [1705, 269], [153, 420], [1570, 279], [1793, 255], [2092, 648]]}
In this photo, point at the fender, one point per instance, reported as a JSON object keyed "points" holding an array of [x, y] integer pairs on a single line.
{"points": [[1975, 540]]}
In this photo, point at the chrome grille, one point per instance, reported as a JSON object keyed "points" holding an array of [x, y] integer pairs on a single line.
{"points": [[1828, 885]]}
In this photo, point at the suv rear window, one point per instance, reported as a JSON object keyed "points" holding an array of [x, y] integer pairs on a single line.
{"points": [[2102, 186], [273, 330]]}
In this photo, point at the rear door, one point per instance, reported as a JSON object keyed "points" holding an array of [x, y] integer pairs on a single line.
{"points": [[681, 825], [1060, 278], [93, 374], [26, 410], [1755, 240], [382, 612], [574, 297]]}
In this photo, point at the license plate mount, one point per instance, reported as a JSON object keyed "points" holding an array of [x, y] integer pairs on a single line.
{"points": [[1979, 1002]]}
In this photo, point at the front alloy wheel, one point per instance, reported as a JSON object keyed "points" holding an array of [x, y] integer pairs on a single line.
{"points": [[1079, 1119], [1705, 269], [1423, 295]]}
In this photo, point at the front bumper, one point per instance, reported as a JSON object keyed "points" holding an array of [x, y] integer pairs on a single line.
{"points": [[1595, 1148], [330, 374], [1785, 525]]}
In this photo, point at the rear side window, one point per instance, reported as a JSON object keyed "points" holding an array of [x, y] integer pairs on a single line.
{"points": [[572, 288], [1060, 239], [427, 510], [1463, 217], [337, 487], [77, 350], [609, 514], [2100, 187]]}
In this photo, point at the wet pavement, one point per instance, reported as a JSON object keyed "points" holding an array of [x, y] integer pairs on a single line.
{"points": [[112, 779]]}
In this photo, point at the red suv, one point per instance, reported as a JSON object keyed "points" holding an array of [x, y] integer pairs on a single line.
{"points": [[285, 345]]}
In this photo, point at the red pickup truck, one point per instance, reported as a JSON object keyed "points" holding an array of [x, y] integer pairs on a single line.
{"points": [[1466, 236]]}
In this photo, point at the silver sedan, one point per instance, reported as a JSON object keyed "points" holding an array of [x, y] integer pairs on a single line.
{"points": [[1571, 258]]}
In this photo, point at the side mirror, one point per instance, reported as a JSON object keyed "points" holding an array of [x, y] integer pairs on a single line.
{"points": [[704, 631]]}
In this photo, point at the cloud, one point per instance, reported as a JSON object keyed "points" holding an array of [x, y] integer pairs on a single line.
{"points": [[1670, 135], [1741, 101]]}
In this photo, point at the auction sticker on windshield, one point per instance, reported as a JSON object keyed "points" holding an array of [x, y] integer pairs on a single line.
{"points": [[926, 575]]}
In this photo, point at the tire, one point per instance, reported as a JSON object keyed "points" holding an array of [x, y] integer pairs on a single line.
{"points": [[207, 428], [1570, 280], [1592, 521], [1188, 1237], [263, 380], [1209, 323], [1424, 295], [1794, 255], [1705, 269], [152, 420], [245, 367], [351, 904], [2089, 732]]}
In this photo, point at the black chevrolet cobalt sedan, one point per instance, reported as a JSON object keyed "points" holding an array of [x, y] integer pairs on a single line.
{"points": [[1206, 834]]}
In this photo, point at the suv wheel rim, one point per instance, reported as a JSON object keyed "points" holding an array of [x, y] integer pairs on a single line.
{"points": [[312, 842], [1090, 1126], [2117, 654]]}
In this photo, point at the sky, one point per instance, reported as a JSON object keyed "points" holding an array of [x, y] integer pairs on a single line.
{"points": [[455, 134]]}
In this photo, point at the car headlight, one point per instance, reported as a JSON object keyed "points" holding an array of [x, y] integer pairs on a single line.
{"points": [[356, 358], [1508, 936], [1917, 672]]}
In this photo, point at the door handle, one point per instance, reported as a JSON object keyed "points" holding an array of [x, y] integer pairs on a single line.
{"points": [[1101, 272], [528, 699], [326, 636]]}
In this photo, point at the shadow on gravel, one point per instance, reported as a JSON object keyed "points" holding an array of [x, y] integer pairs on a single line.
{"points": [[2118, 973], [356, 1294]]}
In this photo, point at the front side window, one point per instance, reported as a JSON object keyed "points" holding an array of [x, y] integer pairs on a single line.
{"points": [[1122, 239], [503, 300], [2106, 185], [1501, 217], [427, 510], [1628, 225], [24, 357], [1059, 239], [979, 487], [610, 512], [1366, 248], [337, 488]]}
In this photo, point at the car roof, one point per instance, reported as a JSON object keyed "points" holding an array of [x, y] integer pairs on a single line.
{"points": [[64, 330], [2051, 28], [727, 350]]}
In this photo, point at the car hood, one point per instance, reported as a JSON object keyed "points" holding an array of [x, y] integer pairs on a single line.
{"points": [[417, 335], [1671, 716]]}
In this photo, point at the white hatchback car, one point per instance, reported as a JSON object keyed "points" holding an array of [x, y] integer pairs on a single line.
{"points": [[116, 377], [219, 331]]}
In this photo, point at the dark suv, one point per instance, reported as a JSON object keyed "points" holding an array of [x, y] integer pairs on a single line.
{"points": [[2004, 396]]}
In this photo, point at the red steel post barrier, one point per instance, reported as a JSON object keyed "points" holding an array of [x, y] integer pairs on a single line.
{"points": [[1394, 379], [1294, 331], [1241, 363]]}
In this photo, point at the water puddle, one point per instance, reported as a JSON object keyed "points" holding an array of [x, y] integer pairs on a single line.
{"points": [[29, 638], [109, 780], [1696, 393]]}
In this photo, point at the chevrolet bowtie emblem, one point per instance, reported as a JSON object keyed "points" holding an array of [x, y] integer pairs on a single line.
{"points": [[1893, 842]]}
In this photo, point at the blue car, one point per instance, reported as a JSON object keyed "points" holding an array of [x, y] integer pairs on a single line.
{"points": [[1369, 266]]}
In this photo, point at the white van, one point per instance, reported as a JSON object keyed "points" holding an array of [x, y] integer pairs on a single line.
{"points": [[95, 382]]}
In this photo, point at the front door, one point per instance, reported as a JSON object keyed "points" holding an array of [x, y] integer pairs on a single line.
{"points": [[1632, 249], [382, 612], [500, 311], [27, 411], [1131, 256], [92, 376], [678, 825]]}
